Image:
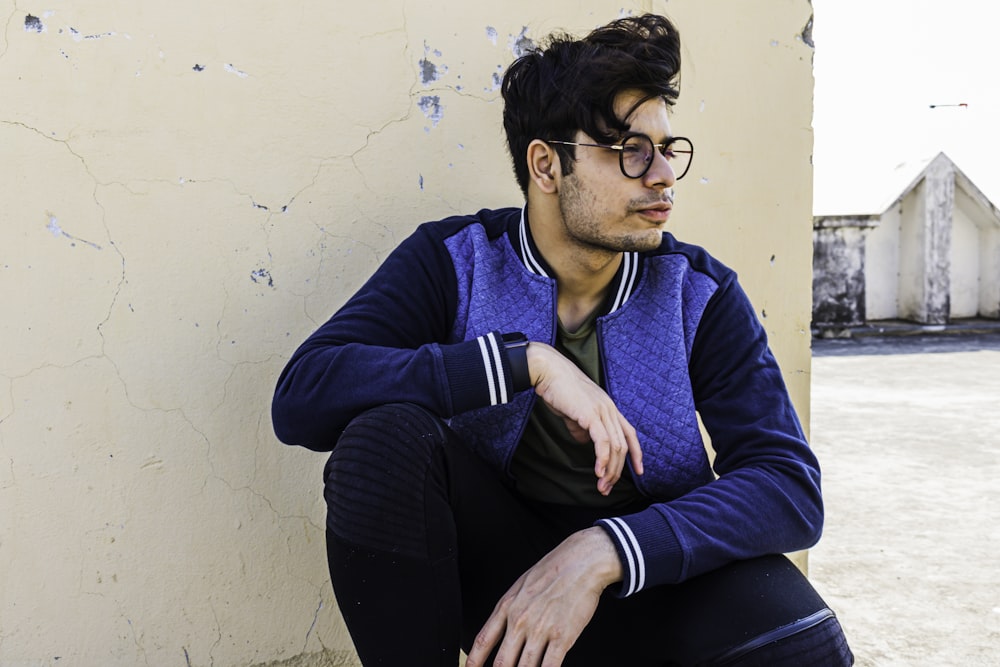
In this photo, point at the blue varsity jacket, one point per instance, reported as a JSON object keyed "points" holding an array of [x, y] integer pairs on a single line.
{"points": [[679, 340]]}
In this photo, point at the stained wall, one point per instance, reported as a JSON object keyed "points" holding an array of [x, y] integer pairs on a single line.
{"points": [[190, 188]]}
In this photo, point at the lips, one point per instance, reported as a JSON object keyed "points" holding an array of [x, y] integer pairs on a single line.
{"points": [[659, 211], [656, 206]]}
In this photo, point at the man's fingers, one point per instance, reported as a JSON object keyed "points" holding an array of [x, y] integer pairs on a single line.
{"points": [[554, 655], [634, 449], [487, 638], [609, 452], [602, 448], [514, 652]]}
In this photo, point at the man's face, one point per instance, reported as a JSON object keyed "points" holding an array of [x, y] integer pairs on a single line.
{"points": [[601, 208]]}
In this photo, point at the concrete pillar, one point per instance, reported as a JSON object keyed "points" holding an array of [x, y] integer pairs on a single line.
{"points": [[989, 266], [925, 283]]}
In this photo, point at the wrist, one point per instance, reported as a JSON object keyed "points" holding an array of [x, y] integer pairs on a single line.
{"points": [[516, 348], [605, 563], [535, 354]]}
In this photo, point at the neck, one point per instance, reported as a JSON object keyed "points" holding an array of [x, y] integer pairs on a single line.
{"points": [[583, 273]]}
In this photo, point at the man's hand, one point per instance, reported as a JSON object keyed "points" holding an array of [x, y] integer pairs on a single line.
{"points": [[588, 411], [542, 615]]}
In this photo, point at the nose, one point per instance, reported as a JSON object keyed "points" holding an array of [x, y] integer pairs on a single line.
{"points": [[661, 173]]}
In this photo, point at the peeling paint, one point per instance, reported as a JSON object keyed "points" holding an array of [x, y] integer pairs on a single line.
{"points": [[33, 24], [807, 33], [232, 70], [56, 230], [431, 72], [431, 107], [521, 44], [428, 72], [491, 34], [77, 36], [497, 80], [262, 277], [198, 68]]}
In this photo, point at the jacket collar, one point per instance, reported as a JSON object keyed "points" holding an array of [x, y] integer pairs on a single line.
{"points": [[622, 285]]}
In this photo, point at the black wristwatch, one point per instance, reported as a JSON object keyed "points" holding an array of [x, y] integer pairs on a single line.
{"points": [[516, 346]]}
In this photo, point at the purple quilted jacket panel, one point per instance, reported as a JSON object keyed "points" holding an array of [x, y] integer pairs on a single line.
{"points": [[645, 374], [648, 374], [497, 293]]}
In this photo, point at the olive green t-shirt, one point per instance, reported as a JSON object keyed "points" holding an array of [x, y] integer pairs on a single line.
{"points": [[549, 465]]}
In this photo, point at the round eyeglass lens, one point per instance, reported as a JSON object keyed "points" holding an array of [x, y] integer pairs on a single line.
{"points": [[637, 155], [679, 154]]}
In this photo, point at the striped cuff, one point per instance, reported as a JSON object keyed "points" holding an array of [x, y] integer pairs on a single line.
{"points": [[497, 377], [648, 549], [633, 563], [478, 373]]}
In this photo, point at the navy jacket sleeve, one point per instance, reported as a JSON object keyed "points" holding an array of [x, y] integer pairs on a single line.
{"points": [[767, 496], [389, 343]]}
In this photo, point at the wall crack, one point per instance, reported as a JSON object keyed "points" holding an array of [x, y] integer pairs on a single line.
{"points": [[312, 627], [54, 228]]}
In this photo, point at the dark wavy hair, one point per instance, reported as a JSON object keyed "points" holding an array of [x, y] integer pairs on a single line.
{"points": [[571, 84]]}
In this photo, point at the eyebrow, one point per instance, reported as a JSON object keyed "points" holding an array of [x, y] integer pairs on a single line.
{"points": [[666, 140]]}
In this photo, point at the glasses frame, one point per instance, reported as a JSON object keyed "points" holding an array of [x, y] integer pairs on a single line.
{"points": [[620, 147]]}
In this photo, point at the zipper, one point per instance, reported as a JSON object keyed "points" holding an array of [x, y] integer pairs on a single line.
{"points": [[784, 632], [599, 328], [531, 403]]}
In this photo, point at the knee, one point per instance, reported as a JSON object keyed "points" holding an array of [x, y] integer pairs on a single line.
{"points": [[388, 437], [376, 479]]}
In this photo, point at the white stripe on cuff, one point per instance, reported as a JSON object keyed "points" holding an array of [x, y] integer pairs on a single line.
{"points": [[498, 361], [634, 544], [630, 578], [489, 370]]}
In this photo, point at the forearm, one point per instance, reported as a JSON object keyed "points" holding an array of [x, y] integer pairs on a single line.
{"points": [[328, 383], [391, 342], [603, 562], [748, 513]]}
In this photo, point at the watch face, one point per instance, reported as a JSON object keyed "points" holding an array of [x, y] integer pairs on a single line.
{"points": [[514, 339]]}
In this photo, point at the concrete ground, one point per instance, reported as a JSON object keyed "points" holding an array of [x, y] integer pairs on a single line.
{"points": [[907, 430]]}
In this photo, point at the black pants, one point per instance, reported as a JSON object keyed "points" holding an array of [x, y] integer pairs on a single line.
{"points": [[423, 539]]}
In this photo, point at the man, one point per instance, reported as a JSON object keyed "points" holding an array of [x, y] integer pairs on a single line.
{"points": [[511, 401]]}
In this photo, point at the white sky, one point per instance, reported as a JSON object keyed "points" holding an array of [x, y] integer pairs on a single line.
{"points": [[879, 65]]}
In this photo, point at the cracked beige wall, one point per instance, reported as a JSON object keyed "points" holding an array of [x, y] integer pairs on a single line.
{"points": [[190, 188]]}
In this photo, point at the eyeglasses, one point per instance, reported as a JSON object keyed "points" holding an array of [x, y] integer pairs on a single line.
{"points": [[635, 154]]}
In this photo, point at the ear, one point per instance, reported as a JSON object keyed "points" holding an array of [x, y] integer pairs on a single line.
{"points": [[543, 166]]}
